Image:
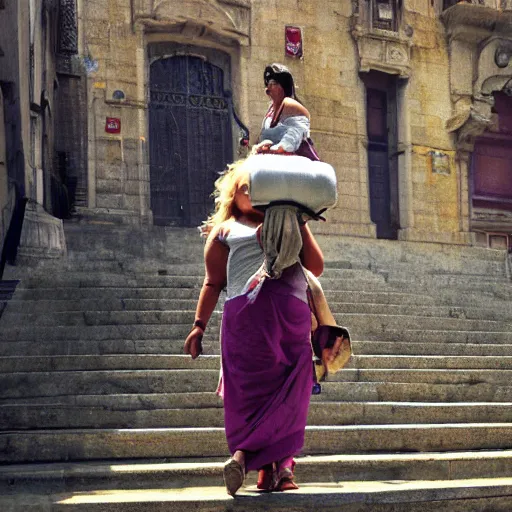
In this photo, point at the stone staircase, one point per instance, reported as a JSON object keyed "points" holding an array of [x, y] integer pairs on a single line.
{"points": [[99, 409]]}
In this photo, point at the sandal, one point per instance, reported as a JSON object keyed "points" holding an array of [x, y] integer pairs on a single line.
{"points": [[266, 478], [285, 479], [234, 476]]}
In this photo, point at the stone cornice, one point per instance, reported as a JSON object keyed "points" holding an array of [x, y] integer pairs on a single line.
{"points": [[474, 23], [247, 4], [383, 50], [225, 19]]}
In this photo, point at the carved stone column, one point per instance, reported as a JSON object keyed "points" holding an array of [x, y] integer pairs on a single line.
{"points": [[67, 42]]}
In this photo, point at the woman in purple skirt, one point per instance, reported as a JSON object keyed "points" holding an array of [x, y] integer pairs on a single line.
{"points": [[266, 328]]}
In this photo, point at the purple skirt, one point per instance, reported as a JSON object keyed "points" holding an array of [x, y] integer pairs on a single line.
{"points": [[267, 373]]}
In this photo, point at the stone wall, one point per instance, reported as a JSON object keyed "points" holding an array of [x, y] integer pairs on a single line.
{"points": [[116, 38]]}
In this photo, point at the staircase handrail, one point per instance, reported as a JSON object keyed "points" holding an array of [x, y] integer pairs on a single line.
{"points": [[13, 214]]}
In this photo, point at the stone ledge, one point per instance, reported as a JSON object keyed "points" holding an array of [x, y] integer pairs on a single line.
{"points": [[340, 229], [442, 237], [42, 235]]}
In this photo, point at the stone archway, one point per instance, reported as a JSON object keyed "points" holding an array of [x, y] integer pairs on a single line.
{"points": [[217, 31], [480, 53], [190, 138]]}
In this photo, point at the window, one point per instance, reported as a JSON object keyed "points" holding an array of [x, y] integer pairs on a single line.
{"points": [[384, 14]]}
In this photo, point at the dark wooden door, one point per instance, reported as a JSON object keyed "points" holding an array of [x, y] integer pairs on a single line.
{"points": [[378, 163], [190, 138]]}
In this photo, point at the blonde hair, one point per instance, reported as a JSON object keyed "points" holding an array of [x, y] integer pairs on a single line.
{"points": [[224, 194]]}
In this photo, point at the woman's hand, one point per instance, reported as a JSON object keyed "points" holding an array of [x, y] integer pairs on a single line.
{"points": [[330, 354], [262, 147], [193, 343]]}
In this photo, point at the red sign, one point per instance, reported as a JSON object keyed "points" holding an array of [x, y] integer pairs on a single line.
{"points": [[293, 38], [113, 125]]}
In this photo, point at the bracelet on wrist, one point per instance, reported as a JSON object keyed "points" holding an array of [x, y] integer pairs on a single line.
{"points": [[200, 324]]}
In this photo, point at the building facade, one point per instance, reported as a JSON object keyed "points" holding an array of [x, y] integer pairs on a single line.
{"points": [[36, 191], [411, 102]]}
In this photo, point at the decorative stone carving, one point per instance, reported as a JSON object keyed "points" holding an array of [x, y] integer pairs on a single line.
{"points": [[470, 120], [383, 51], [468, 25], [475, 23], [205, 18], [487, 66], [68, 28]]}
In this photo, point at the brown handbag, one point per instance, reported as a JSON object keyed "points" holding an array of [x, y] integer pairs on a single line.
{"points": [[325, 337]]}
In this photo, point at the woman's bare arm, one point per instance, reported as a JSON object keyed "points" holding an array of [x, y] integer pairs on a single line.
{"points": [[292, 107], [215, 257], [311, 255]]}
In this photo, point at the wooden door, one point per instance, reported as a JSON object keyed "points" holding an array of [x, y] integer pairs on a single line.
{"points": [[379, 163], [190, 138]]}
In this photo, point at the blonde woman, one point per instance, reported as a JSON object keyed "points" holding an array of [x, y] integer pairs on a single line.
{"points": [[265, 342]]}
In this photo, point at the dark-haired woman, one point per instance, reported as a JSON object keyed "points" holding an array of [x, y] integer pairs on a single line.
{"points": [[286, 125]]}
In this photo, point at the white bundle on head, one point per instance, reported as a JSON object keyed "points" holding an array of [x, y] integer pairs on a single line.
{"points": [[291, 179], [284, 185]]}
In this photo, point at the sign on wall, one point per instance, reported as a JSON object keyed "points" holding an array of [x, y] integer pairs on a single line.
{"points": [[113, 125], [440, 163], [293, 42]]}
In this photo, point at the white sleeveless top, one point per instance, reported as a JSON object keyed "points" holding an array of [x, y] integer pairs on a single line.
{"points": [[245, 257]]}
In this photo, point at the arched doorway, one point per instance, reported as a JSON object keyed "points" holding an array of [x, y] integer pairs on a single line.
{"points": [[190, 139]]}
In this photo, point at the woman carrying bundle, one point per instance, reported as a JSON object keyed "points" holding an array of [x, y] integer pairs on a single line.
{"points": [[262, 260]]}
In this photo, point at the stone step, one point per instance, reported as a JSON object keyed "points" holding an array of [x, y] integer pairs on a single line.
{"points": [[429, 349], [331, 391], [427, 285], [353, 292], [440, 336], [499, 311], [431, 362], [97, 444], [140, 333], [170, 245], [97, 347], [141, 269], [86, 280], [35, 384], [159, 294], [94, 333], [33, 364], [360, 324], [475, 495], [332, 280], [61, 415], [86, 277], [157, 474], [415, 392], [16, 364], [102, 304], [211, 347], [102, 293], [451, 376]]}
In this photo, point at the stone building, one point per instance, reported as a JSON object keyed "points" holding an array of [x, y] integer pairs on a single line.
{"points": [[37, 190], [410, 102], [407, 101]]}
